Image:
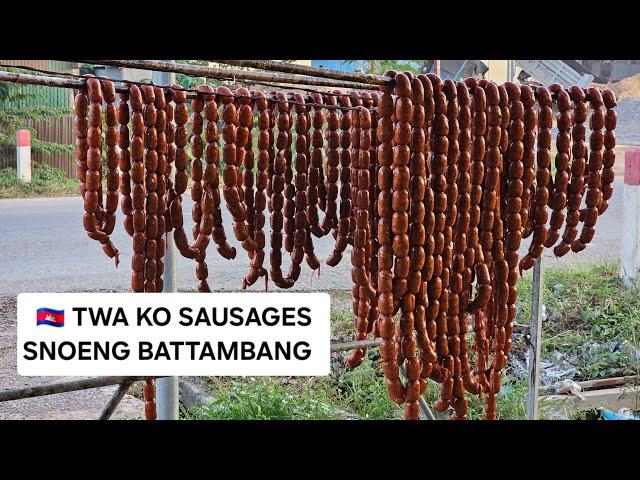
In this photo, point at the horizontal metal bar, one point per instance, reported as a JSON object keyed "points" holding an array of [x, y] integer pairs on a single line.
{"points": [[63, 387], [344, 346], [65, 82], [311, 71], [226, 73]]}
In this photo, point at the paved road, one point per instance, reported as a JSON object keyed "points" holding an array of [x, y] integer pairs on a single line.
{"points": [[43, 247], [605, 246]]}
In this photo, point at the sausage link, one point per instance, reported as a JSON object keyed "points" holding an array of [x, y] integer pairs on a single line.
{"points": [[315, 167], [447, 328], [609, 156], [149, 395], [594, 171], [256, 268], [528, 158], [156, 201], [98, 221], [233, 152], [558, 198], [150, 161], [578, 164], [497, 309], [386, 322], [361, 253], [335, 157], [541, 198], [462, 282], [126, 204], [513, 230], [277, 196], [438, 280], [181, 162]]}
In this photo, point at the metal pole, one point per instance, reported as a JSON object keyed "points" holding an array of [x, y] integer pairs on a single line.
{"points": [[167, 388], [62, 387], [535, 339]]}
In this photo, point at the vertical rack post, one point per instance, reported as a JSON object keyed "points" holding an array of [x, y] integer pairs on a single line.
{"points": [[535, 339], [167, 387]]}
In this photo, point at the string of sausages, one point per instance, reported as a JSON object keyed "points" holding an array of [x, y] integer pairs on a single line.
{"points": [[433, 183]]}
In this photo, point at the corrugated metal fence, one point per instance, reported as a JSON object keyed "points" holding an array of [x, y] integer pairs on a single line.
{"points": [[58, 130]]}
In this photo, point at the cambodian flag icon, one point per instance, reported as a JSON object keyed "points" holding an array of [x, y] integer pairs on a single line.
{"points": [[49, 316]]}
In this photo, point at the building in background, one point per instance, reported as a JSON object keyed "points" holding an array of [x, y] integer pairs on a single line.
{"points": [[606, 71]]}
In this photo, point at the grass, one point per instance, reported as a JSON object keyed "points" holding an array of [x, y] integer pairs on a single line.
{"points": [[261, 398], [590, 317], [345, 394], [589, 312], [46, 181]]}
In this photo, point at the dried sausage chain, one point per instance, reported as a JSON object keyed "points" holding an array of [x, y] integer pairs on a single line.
{"points": [[433, 183]]}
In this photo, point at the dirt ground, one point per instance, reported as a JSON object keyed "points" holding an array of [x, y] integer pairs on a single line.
{"points": [[627, 87], [80, 405]]}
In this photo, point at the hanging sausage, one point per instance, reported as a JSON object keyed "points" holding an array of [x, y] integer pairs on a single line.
{"points": [[432, 185]]}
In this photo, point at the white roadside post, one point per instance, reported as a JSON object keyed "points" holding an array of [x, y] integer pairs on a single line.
{"points": [[23, 155], [167, 388], [630, 246]]}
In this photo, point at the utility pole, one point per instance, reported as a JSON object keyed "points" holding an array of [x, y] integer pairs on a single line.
{"points": [[167, 388]]}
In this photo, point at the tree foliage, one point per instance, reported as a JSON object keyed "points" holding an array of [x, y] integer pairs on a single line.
{"points": [[192, 82], [18, 118], [378, 67]]}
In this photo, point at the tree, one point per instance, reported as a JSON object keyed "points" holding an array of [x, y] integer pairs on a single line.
{"points": [[193, 82], [13, 118], [378, 67]]}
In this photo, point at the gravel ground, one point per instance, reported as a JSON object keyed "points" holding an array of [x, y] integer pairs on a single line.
{"points": [[628, 128], [80, 405]]}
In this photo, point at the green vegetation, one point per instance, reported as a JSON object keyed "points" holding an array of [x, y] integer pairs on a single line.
{"points": [[46, 181], [380, 66], [18, 108], [589, 313], [261, 398], [590, 317]]}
